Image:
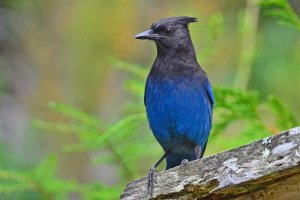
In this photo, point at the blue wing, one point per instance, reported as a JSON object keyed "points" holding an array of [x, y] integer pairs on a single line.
{"points": [[195, 120], [210, 96]]}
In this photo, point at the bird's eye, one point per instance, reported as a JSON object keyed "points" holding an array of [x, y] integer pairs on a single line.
{"points": [[168, 31]]}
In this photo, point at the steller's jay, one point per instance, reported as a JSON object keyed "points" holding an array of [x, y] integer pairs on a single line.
{"points": [[178, 96]]}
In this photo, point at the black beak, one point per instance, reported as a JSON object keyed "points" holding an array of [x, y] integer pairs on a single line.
{"points": [[149, 34]]}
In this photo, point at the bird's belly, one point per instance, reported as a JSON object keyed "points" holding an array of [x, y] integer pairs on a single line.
{"points": [[172, 112], [168, 109]]}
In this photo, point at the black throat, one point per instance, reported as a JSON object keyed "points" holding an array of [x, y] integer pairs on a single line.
{"points": [[175, 60]]}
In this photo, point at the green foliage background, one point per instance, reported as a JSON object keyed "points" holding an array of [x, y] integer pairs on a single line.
{"points": [[69, 143]]}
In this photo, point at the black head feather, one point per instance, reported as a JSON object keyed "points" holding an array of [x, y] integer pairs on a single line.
{"points": [[171, 36], [173, 21]]}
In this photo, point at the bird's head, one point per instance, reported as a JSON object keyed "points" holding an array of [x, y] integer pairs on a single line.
{"points": [[169, 33]]}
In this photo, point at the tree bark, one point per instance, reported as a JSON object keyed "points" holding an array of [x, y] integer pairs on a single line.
{"points": [[265, 169]]}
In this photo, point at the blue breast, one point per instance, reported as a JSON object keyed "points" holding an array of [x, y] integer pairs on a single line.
{"points": [[179, 111]]}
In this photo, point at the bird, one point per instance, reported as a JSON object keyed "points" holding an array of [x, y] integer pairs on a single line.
{"points": [[178, 95]]}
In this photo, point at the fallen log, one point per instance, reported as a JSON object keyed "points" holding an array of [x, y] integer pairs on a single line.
{"points": [[265, 169]]}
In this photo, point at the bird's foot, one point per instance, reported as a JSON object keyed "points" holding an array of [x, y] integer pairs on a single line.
{"points": [[184, 161], [151, 181]]}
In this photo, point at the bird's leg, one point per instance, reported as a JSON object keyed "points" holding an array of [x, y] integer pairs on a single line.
{"points": [[152, 173], [198, 151]]}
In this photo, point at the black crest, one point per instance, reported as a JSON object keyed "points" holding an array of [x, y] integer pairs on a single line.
{"points": [[173, 21]]}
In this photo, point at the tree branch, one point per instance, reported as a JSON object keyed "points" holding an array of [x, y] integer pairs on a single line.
{"points": [[265, 169]]}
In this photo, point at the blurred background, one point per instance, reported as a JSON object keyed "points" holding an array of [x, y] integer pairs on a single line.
{"points": [[72, 121]]}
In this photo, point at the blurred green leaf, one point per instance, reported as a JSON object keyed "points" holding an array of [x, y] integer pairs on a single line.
{"points": [[72, 112], [285, 118], [134, 69], [282, 11]]}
